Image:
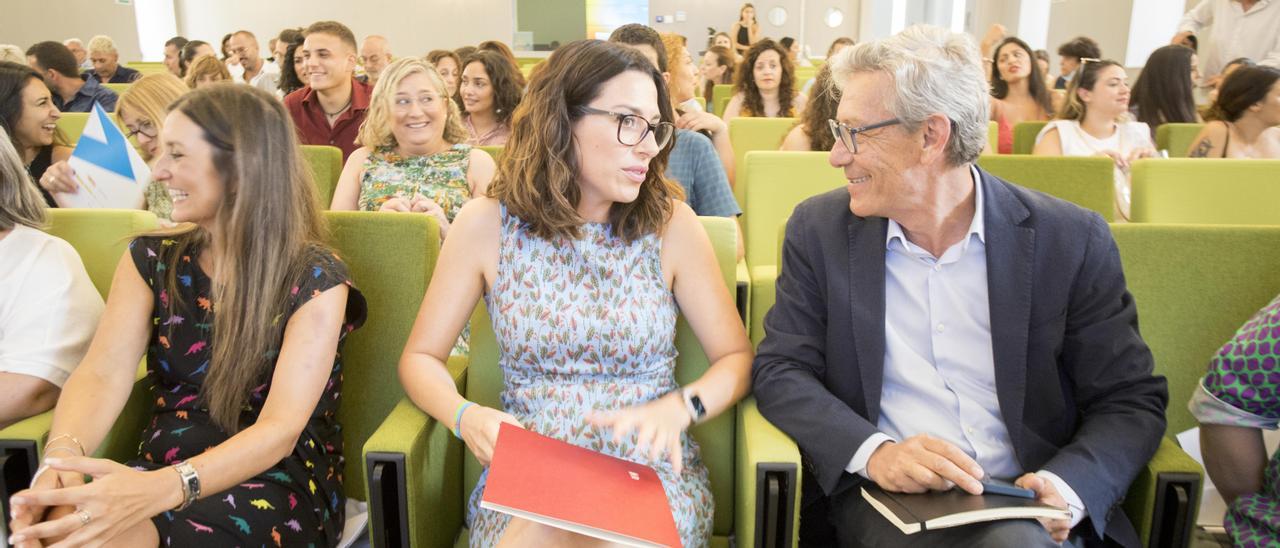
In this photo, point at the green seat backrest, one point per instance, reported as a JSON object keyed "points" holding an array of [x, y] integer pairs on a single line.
{"points": [[1194, 287], [118, 88], [993, 138], [1085, 181], [390, 259], [326, 167], [71, 124], [720, 95], [748, 134], [100, 236], [805, 73], [494, 150], [775, 182], [1206, 191], [716, 437], [1176, 138], [1024, 136]]}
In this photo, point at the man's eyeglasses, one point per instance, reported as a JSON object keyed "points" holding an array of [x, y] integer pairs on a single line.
{"points": [[145, 129], [633, 128], [848, 136]]}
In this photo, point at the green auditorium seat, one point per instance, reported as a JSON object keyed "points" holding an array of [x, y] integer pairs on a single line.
{"points": [[326, 166], [1024, 136], [748, 134], [1176, 138], [720, 96], [1206, 191], [494, 150], [71, 125], [426, 475], [1085, 181], [118, 88]]}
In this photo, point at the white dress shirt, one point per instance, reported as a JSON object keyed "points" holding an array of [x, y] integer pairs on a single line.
{"points": [[939, 365], [1235, 33]]}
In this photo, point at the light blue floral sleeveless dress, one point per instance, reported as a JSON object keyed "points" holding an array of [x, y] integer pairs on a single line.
{"points": [[587, 325]]}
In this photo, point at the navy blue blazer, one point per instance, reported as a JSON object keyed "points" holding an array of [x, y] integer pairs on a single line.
{"points": [[1073, 376]]}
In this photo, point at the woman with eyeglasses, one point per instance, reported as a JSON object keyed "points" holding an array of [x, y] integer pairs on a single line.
{"points": [[585, 256], [142, 110]]}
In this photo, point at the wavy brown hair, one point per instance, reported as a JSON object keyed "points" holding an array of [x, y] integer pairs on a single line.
{"points": [[537, 178], [724, 58], [1243, 88], [745, 83], [508, 84], [821, 107], [270, 226]]}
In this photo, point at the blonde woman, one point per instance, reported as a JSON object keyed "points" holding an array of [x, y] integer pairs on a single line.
{"points": [[243, 447], [141, 110], [205, 70]]}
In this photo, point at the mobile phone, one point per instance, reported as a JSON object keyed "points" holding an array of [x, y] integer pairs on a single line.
{"points": [[1000, 487]]}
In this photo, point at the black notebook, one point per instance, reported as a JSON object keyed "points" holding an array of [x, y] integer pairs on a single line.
{"points": [[913, 513]]}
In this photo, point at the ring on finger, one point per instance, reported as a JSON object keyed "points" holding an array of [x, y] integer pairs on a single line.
{"points": [[84, 517]]}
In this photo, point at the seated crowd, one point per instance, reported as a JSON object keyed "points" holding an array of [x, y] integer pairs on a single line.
{"points": [[582, 240]]}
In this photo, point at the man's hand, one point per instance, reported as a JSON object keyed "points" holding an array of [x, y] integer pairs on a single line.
{"points": [[1178, 38], [922, 463], [1047, 493]]}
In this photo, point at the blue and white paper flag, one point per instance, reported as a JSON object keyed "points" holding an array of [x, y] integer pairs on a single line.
{"points": [[109, 172]]}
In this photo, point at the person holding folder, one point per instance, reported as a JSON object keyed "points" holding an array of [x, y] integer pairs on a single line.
{"points": [[585, 256]]}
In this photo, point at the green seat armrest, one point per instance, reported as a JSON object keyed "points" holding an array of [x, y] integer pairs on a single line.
{"points": [[767, 507], [1164, 500], [21, 445], [763, 295]]}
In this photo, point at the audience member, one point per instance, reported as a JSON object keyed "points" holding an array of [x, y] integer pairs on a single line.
{"points": [[294, 74], [1244, 121], [141, 111], [717, 68], [490, 91], [449, 66], [1163, 92], [1042, 63], [1230, 67], [331, 108], [812, 132], [465, 51], [765, 85], [838, 45], [375, 53], [1238, 28], [896, 353], [193, 49], [1069, 56], [12, 54], [1092, 122], [1018, 93], [29, 116], [412, 156], [218, 432], [173, 55], [106, 63], [1236, 399], [207, 70], [792, 47], [82, 56], [49, 308], [57, 65], [510, 56], [271, 47], [257, 71], [681, 85], [287, 37], [745, 31], [584, 173]]}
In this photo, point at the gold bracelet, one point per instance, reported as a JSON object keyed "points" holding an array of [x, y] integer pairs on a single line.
{"points": [[73, 439], [48, 450]]}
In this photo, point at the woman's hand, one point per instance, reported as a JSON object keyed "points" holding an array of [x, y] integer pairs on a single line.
{"points": [[701, 121], [1119, 159], [396, 203], [479, 427], [423, 204], [118, 498], [59, 178], [658, 425], [26, 515]]}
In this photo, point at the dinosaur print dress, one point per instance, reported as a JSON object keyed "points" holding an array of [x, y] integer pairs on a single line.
{"points": [[299, 500]]}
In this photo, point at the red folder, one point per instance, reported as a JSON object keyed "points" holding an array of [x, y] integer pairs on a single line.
{"points": [[548, 481]]}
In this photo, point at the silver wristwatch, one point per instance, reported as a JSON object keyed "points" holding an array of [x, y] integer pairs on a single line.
{"points": [[190, 484]]}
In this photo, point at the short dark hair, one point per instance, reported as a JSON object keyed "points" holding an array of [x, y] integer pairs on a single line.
{"points": [[1245, 87], [1081, 47], [177, 42], [56, 57], [188, 54], [333, 28], [635, 34], [786, 42], [291, 36]]}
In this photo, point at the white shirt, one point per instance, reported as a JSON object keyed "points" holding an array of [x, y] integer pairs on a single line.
{"points": [[1129, 136], [939, 365], [49, 308], [267, 79], [1236, 33]]}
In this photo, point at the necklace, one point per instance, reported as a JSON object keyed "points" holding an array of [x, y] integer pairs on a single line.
{"points": [[339, 111]]}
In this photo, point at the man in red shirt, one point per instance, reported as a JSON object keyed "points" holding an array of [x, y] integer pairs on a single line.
{"points": [[330, 110]]}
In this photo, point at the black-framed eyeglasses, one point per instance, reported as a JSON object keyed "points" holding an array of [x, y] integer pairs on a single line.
{"points": [[848, 136], [633, 128], [145, 128]]}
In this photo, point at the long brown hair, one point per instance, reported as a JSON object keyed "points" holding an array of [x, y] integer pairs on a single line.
{"points": [[538, 176], [752, 101], [270, 225], [724, 58], [1073, 108], [1243, 88], [821, 107], [1036, 85]]}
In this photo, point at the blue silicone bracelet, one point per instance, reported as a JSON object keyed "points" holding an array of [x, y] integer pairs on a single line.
{"points": [[457, 418]]}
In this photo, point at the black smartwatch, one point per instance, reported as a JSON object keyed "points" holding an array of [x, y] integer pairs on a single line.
{"points": [[693, 403]]}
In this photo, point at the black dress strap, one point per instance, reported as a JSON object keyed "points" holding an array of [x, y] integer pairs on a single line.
{"points": [[38, 166]]}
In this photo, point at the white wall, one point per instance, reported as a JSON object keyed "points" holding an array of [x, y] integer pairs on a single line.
{"points": [[25, 22]]}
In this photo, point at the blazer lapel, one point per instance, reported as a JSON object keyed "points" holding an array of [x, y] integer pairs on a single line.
{"points": [[1010, 256], [866, 304]]}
